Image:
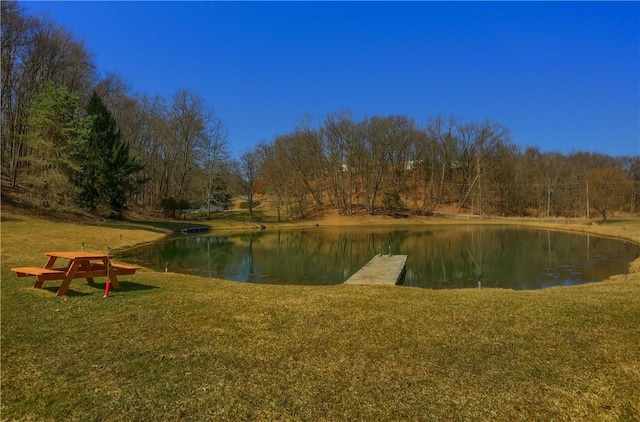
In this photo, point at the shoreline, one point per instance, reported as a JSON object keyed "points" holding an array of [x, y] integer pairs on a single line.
{"points": [[622, 229], [630, 229]]}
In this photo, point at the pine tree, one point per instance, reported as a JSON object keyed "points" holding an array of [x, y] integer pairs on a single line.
{"points": [[57, 139], [109, 175]]}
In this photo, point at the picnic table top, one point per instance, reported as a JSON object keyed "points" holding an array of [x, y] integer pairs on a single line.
{"points": [[78, 255]]}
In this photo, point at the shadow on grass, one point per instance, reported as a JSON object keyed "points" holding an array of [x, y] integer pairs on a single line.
{"points": [[130, 286], [162, 226], [241, 216], [70, 292], [5, 219], [127, 286]]}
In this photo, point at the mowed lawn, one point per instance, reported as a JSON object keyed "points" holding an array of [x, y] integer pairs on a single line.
{"points": [[176, 347]]}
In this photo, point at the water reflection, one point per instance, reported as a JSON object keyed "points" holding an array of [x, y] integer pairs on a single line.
{"points": [[438, 256]]}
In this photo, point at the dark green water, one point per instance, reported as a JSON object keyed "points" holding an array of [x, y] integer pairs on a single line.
{"points": [[438, 256]]}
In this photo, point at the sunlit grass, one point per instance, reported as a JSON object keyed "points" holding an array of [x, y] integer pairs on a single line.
{"points": [[171, 346]]}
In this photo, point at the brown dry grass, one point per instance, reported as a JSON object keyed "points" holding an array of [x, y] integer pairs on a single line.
{"points": [[175, 347]]}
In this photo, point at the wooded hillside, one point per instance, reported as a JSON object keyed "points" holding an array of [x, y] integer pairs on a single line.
{"points": [[73, 139]]}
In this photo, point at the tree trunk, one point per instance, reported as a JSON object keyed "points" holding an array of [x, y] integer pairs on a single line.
{"points": [[466, 197]]}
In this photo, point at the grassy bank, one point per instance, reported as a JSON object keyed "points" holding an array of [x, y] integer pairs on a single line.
{"points": [[171, 347]]}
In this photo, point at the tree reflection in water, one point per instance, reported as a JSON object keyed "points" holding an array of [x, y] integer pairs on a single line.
{"points": [[461, 256]]}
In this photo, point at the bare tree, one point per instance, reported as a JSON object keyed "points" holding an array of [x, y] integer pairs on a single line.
{"points": [[115, 92], [380, 134], [481, 144], [216, 165], [274, 171], [609, 188], [339, 135], [245, 173], [291, 173], [147, 145], [442, 134], [400, 161], [188, 121], [305, 158], [16, 34], [632, 168], [421, 169]]}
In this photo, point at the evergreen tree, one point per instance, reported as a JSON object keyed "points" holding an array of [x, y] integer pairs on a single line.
{"points": [[57, 140], [109, 175]]}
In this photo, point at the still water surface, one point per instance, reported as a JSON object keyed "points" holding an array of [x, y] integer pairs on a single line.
{"points": [[438, 256]]}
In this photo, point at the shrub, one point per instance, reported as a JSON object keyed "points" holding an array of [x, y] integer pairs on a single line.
{"points": [[245, 205]]}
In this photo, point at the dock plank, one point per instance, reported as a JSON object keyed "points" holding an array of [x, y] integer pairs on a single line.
{"points": [[382, 269]]}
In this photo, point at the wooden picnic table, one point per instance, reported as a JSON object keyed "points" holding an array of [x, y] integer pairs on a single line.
{"points": [[85, 265]]}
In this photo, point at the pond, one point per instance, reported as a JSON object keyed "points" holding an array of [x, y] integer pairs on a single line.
{"points": [[460, 256]]}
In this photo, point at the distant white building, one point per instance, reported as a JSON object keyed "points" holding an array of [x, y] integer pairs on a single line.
{"points": [[412, 164], [203, 208]]}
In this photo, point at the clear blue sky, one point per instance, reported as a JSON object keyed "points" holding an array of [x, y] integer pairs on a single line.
{"points": [[561, 76]]}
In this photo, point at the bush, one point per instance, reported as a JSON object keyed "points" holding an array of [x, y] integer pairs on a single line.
{"points": [[245, 205], [392, 201], [170, 206]]}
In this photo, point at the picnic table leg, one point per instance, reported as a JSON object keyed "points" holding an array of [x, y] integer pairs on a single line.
{"points": [[68, 277], [50, 262], [85, 266], [115, 285], [39, 281]]}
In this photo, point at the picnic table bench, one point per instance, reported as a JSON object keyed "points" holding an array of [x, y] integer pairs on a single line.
{"points": [[85, 265]]}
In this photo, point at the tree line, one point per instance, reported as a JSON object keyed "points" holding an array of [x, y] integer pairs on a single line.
{"points": [[390, 164], [66, 132], [71, 138]]}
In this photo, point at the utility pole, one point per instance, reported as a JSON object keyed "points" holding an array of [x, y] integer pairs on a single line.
{"points": [[588, 213]]}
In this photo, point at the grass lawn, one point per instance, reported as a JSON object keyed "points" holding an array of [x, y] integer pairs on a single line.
{"points": [[176, 347]]}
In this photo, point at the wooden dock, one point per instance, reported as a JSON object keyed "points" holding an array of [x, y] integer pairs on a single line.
{"points": [[195, 230], [382, 269]]}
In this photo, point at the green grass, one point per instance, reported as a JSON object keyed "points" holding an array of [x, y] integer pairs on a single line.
{"points": [[175, 347]]}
